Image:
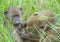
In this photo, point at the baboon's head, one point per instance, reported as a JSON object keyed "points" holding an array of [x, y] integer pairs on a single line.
{"points": [[13, 14], [41, 17]]}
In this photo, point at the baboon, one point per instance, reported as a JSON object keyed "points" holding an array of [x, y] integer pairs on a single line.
{"points": [[13, 15], [41, 20]]}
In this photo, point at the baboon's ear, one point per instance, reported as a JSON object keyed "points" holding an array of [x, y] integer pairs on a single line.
{"points": [[5, 13], [20, 8]]}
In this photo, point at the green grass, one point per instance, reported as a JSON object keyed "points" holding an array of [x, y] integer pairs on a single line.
{"points": [[29, 7]]}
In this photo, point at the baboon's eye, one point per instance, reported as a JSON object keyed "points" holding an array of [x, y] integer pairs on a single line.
{"points": [[35, 14]]}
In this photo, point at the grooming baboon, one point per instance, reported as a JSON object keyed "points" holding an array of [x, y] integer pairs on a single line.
{"points": [[13, 15], [41, 20]]}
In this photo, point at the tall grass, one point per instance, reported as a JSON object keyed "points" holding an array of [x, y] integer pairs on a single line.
{"points": [[29, 7]]}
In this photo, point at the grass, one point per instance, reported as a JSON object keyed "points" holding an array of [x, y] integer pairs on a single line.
{"points": [[29, 7]]}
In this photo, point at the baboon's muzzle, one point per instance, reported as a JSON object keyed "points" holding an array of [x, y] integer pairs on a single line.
{"points": [[16, 21]]}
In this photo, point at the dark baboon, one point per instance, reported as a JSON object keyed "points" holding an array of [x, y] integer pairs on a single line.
{"points": [[13, 15]]}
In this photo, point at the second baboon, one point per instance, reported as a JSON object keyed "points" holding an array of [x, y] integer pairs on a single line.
{"points": [[41, 21]]}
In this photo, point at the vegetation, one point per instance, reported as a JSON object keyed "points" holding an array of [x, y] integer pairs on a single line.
{"points": [[29, 7]]}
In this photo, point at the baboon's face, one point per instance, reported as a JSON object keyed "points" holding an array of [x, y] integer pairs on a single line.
{"points": [[13, 14]]}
